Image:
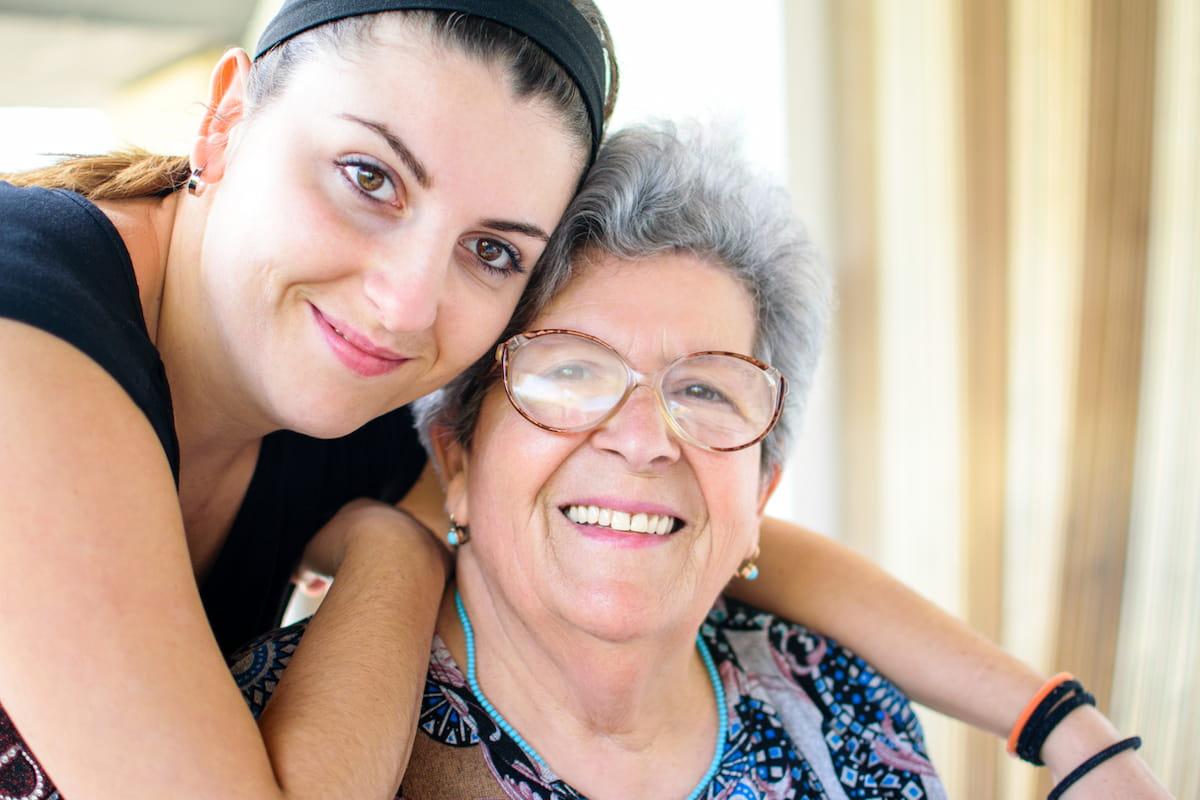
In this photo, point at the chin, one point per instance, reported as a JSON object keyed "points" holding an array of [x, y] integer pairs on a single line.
{"points": [[622, 611], [320, 419], [325, 429]]}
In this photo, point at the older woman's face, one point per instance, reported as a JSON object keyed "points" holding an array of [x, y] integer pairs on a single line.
{"points": [[519, 480]]}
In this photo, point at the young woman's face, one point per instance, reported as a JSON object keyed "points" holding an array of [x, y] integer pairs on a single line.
{"points": [[374, 227]]}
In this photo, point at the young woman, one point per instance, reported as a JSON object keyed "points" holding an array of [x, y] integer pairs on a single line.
{"points": [[198, 379]]}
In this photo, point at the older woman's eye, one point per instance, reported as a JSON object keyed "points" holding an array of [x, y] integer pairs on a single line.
{"points": [[704, 393], [494, 255], [571, 372], [370, 180]]}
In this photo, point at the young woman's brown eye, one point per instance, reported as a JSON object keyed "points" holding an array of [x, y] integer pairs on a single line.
{"points": [[494, 255], [371, 180], [489, 250]]}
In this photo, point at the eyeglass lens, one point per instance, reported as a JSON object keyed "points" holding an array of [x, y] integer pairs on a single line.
{"points": [[570, 383]]}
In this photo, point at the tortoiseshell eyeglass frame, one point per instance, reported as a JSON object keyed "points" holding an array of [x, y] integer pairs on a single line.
{"points": [[633, 379]]}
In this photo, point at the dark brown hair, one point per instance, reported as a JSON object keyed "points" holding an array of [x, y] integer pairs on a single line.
{"points": [[135, 173]]}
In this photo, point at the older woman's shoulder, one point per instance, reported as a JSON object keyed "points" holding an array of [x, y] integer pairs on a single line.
{"points": [[842, 683], [845, 721]]}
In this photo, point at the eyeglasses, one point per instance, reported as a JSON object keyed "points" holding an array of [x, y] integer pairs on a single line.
{"points": [[568, 382]]}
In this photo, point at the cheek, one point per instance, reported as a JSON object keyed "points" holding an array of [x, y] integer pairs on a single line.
{"points": [[469, 321], [505, 519], [272, 213], [731, 494], [502, 493]]}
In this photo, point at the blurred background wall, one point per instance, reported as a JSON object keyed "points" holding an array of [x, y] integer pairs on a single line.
{"points": [[1008, 191]]}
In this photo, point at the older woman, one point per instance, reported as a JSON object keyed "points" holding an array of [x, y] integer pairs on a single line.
{"points": [[607, 471], [607, 474]]}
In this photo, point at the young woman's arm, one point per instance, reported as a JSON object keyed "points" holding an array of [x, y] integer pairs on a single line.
{"points": [[934, 657], [109, 669]]}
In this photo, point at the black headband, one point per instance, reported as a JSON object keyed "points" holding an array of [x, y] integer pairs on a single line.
{"points": [[555, 25]]}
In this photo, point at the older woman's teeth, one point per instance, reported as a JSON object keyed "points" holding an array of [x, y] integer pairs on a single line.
{"points": [[657, 524]]}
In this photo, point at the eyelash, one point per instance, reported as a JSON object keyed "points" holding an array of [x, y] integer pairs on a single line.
{"points": [[372, 166], [514, 255]]}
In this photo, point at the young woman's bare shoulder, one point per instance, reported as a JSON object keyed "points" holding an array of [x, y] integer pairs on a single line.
{"points": [[106, 647]]}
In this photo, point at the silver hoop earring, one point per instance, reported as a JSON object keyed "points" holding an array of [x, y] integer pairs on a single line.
{"points": [[195, 186], [458, 534]]}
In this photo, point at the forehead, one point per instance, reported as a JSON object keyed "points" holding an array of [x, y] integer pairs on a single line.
{"points": [[458, 114], [657, 308], [405, 67]]}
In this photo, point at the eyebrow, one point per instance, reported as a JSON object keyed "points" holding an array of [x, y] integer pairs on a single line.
{"points": [[398, 147], [517, 227], [422, 174]]}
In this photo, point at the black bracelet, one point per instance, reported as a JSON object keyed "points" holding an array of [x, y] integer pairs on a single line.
{"points": [[1027, 748], [1045, 718], [1132, 743]]}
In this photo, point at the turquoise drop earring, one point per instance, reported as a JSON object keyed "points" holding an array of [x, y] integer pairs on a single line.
{"points": [[458, 534]]}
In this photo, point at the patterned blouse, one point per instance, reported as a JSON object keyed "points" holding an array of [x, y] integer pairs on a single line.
{"points": [[807, 719]]}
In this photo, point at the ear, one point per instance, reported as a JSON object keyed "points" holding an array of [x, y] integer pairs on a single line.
{"points": [[770, 483], [450, 461], [226, 105]]}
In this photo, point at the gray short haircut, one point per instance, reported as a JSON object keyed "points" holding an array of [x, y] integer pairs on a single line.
{"points": [[661, 188]]}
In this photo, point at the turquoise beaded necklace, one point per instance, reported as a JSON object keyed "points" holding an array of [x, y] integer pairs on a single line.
{"points": [[503, 724]]}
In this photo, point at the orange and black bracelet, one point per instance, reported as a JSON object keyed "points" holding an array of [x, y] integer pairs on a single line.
{"points": [[1060, 695]]}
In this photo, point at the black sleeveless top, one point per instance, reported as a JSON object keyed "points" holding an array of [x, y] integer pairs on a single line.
{"points": [[64, 269]]}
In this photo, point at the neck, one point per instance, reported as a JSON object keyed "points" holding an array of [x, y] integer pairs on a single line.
{"points": [[216, 424], [163, 237], [613, 719], [219, 430], [217, 444]]}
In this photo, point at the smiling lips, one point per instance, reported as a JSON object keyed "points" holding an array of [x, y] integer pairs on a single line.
{"points": [[358, 353], [623, 521]]}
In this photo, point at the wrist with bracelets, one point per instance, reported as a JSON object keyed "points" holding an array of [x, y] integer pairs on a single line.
{"points": [[1057, 698]]}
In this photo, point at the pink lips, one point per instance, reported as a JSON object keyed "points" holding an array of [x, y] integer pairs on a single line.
{"points": [[621, 538], [354, 350]]}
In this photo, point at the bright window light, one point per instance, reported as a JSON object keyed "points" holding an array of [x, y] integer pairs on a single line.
{"points": [[34, 137]]}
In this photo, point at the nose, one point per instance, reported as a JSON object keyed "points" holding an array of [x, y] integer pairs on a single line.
{"points": [[639, 434], [405, 284]]}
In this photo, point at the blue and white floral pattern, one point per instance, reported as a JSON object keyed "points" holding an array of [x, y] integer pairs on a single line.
{"points": [[808, 718]]}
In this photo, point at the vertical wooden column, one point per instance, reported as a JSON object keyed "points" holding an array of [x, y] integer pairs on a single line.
{"points": [[1156, 692], [1049, 56], [985, 286], [918, 70], [1120, 136], [856, 244]]}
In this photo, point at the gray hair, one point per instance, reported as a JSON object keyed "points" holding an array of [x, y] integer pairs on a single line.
{"points": [[657, 189]]}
